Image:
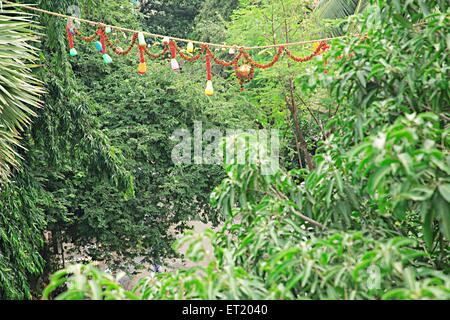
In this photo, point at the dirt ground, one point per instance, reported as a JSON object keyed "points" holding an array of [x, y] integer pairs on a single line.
{"points": [[168, 265], [177, 264]]}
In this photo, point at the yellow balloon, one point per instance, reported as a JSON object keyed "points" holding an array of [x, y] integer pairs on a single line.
{"points": [[190, 47], [142, 68], [209, 91]]}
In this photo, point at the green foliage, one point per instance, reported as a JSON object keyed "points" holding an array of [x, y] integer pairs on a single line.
{"points": [[65, 134], [130, 119], [21, 219], [20, 91], [211, 20], [87, 283], [174, 17], [376, 164], [335, 9], [21, 225], [268, 250], [139, 115], [407, 168]]}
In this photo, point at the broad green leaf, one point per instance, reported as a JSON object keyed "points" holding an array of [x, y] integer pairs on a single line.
{"points": [[444, 189], [376, 178]]}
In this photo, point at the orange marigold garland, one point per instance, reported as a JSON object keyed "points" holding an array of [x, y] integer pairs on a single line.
{"points": [[322, 47], [264, 66], [118, 50], [244, 70]]}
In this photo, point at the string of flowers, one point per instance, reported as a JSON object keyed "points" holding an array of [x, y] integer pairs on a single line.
{"points": [[118, 50], [242, 63]]}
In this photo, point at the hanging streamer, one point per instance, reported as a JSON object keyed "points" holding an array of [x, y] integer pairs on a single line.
{"points": [[209, 90], [102, 47], [142, 69], [70, 31], [173, 53]]}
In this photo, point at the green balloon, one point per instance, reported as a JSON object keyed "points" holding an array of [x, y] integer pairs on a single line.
{"points": [[73, 52], [107, 59]]}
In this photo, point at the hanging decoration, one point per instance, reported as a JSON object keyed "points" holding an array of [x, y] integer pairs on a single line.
{"points": [[242, 63], [190, 47], [142, 69], [209, 90], [173, 54], [102, 47], [70, 32], [244, 70], [99, 46]]}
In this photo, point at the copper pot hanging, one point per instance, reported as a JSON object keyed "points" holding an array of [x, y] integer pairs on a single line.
{"points": [[244, 70]]}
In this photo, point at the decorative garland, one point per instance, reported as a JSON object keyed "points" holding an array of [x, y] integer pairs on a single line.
{"points": [[242, 63]]}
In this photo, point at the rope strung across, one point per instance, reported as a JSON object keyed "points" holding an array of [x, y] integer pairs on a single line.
{"points": [[241, 61], [244, 66], [155, 35]]}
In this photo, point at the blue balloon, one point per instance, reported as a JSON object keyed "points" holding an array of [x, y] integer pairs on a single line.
{"points": [[99, 46]]}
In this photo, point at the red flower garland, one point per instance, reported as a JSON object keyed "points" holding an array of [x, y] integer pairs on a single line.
{"points": [[116, 49], [73, 51], [242, 76], [159, 55], [264, 66], [209, 90], [102, 40]]}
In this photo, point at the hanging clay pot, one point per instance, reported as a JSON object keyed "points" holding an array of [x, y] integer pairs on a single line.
{"points": [[244, 70]]}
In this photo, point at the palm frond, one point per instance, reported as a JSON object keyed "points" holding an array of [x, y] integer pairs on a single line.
{"points": [[20, 91], [339, 9]]}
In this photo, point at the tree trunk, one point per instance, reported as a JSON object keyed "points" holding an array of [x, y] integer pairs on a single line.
{"points": [[299, 137]]}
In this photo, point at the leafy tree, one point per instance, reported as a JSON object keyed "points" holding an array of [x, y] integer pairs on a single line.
{"points": [[65, 133], [372, 156], [338, 9], [268, 250], [21, 219], [172, 18], [136, 116], [20, 92], [274, 91]]}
